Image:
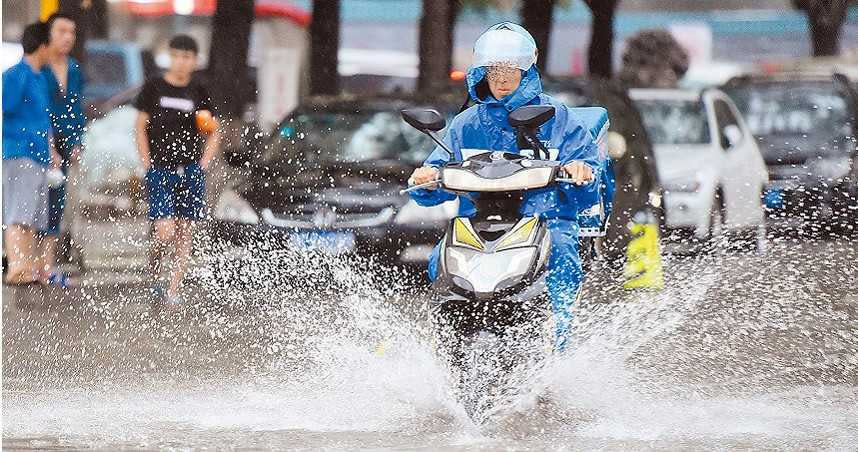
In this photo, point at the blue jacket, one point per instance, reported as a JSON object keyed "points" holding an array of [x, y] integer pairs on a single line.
{"points": [[485, 126], [26, 122], [67, 115]]}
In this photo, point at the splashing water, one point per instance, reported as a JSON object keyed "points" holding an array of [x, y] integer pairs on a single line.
{"points": [[305, 350]]}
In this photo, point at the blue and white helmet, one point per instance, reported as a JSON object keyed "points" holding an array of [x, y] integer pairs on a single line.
{"points": [[506, 45]]}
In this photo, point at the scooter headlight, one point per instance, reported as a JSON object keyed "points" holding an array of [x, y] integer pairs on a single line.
{"points": [[521, 235], [464, 235]]}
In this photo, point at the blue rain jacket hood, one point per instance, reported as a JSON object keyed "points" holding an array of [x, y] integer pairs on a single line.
{"points": [[485, 126]]}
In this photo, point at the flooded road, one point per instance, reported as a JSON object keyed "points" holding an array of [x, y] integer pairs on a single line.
{"points": [[278, 351]]}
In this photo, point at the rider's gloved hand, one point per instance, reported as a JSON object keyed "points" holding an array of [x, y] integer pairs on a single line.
{"points": [[423, 175], [579, 172]]}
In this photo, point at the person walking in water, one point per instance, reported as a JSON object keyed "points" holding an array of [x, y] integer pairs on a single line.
{"points": [[176, 153]]}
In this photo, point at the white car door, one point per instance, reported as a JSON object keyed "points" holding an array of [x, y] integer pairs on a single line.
{"points": [[741, 179]]}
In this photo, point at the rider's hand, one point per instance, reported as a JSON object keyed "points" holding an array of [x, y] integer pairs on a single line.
{"points": [[579, 172], [423, 175]]}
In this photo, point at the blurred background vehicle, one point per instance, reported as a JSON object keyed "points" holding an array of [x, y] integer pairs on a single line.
{"points": [[379, 72], [328, 178], [638, 190], [805, 124], [711, 169], [111, 68]]}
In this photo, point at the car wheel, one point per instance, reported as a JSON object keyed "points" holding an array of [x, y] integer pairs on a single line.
{"points": [[716, 224], [753, 240], [846, 212]]}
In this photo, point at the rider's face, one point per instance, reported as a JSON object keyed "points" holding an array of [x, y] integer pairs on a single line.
{"points": [[503, 81]]}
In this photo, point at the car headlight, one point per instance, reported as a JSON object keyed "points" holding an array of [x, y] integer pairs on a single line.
{"points": [[412, 213], [831, 167], [682, 186], [232, 207], [655, 199]]}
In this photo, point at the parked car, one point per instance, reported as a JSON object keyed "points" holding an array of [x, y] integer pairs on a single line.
{"points": [[330, 174], [710, 167], [806, 128], [329, 178], [638, 190], [111, 67]]}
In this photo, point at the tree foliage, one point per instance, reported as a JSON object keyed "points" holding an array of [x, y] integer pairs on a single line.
{"points": [[653, 59]]}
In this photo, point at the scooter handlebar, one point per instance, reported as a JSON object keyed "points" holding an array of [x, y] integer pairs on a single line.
{"points": [[567, 180], [412, 188]]}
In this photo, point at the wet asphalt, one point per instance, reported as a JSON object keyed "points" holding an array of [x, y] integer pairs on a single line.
{"points": [[738, 351]]}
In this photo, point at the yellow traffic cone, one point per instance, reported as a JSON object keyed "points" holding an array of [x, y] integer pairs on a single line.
{"points": [[643, 269]]}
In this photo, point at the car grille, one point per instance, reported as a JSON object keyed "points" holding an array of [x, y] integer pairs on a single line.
{"points": [[788, 172], [329, 219]]}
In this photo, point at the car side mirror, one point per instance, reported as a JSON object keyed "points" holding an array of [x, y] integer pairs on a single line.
{"points": [[248, 149], [733, 135], [424, 120], [531, 116]]}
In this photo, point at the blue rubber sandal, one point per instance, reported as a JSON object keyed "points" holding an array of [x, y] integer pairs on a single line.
{"points": [[58, 279]]}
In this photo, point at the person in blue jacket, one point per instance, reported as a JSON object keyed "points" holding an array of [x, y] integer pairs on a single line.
{"points": [[27, 158], [503, 78], [65, 82]]}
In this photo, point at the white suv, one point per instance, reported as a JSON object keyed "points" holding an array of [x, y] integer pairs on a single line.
{"points": [[709, 164]]}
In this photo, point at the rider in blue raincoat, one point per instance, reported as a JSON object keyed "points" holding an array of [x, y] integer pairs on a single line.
{"points": [[504, 77]]}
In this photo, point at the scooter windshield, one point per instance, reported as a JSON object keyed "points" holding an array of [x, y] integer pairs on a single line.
{"points": [[461, 179]]}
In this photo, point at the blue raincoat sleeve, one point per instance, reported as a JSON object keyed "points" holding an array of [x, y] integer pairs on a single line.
{"points": [[577, 143], [437, 158]]}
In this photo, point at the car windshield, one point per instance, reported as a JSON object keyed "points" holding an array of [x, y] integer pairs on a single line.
{"points": [[793, 108], [669, 121], [351, 137]]}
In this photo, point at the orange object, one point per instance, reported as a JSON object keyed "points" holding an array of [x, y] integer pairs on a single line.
{"points": [[206, 123], [457, 76]]}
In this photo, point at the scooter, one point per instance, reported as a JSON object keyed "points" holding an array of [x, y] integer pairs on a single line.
{"points": [[492, 267]]}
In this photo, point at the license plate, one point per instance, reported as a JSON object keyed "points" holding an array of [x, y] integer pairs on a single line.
{"points": [[774, 198], [334, 242]]}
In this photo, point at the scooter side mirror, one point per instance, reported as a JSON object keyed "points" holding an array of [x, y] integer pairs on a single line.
{"points": [[424, 120], [531, 116]]}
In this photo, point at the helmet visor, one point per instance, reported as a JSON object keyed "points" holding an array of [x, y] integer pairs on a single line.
{"points": [[502, 74], [504, 48]]}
